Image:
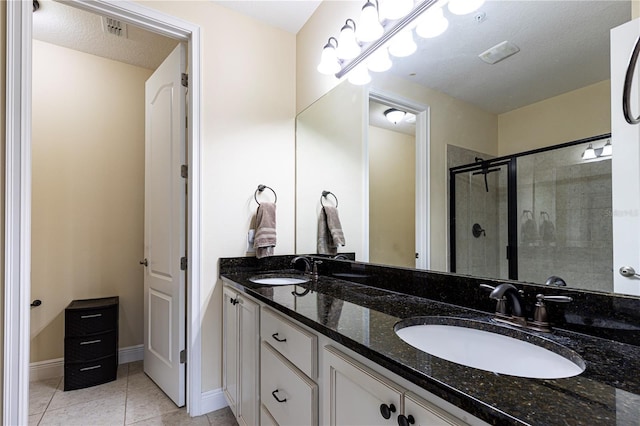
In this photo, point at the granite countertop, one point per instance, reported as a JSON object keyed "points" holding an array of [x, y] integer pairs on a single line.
{"points": [[362, 318]]}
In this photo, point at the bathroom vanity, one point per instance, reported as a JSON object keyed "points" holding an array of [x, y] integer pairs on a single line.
{"points": [[329, 352]]}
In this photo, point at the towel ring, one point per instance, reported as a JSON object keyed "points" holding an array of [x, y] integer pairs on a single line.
{"points": [[324, 195], [262, 188]]}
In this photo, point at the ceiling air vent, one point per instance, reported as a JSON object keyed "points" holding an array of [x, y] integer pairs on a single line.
{"points": [[114, 27]]}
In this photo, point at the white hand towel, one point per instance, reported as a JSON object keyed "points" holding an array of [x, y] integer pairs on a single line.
{"points": [[330, 233]]}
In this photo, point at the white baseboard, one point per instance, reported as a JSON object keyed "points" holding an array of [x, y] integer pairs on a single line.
{"points": [[212, 400], [53, 368]]}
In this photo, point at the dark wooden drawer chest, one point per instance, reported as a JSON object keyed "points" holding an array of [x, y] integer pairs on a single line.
{"points": [[90, 342]]}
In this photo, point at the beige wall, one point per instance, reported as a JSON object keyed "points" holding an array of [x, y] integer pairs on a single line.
{"points": [[392, 197], [87, 191], [571, 116], [248, 112]]}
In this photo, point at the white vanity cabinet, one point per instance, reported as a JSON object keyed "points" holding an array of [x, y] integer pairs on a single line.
{"points": [[288, 370], [357, 395], [240, 355]]}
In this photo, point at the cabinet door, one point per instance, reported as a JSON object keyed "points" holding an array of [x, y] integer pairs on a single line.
{"points": [[354, 395], [426, 414], [230, 348], [248, 366]]}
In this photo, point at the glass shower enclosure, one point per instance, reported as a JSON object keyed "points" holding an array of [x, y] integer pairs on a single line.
{"points": [[540, 216]]}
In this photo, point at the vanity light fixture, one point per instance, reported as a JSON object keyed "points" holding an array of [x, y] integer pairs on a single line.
{"points": [[348, 47], [592, 153], [396, 36], [394, 115], [370, 28], [359, 75]]}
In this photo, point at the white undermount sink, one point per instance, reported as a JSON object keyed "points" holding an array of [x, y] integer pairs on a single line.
{"points": [[278, 280], [463, 342]]}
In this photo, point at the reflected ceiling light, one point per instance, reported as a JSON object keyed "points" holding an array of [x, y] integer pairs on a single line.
{"points": [[359, 75], [402, 44], [462, 7], [607, 149], [379, 61], [370, 28], [394, 115], [589, 153], [329, 60], [348, 47], [432, 23], [410, 118], [394, 9]]}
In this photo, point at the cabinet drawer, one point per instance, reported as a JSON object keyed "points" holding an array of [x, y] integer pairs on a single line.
{"points": [[265, 417], [81, 322], [289, 395], [79, 375], [425, 413], [296, 344], [90, 347]]}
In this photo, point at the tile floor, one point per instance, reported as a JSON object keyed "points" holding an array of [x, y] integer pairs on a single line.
{"points": [[131, 399]]}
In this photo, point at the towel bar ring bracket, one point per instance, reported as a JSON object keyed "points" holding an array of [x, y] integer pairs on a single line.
{"points": [[262, 188], [325, 194]]}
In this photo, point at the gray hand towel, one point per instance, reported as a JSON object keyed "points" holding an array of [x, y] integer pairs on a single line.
{"points": [[330, 233], [265, 238]]}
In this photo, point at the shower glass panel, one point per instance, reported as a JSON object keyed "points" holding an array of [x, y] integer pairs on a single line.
{"points": [[480, 225], [564, 203]]}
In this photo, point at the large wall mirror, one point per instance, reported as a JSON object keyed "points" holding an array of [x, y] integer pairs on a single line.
{"points": [[554, 90]]}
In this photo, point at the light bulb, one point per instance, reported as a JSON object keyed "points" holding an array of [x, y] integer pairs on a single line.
{"points": [[462, 7], [394, 115], [432, 23], [589, 153], [402, 44], [607, 149], [329, 61], [394, 9], [379, 61], [369, 28], [359, 75], [348, 47]]}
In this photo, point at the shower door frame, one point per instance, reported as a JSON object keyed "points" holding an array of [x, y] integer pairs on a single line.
{"points": [[512, 222], [512, 198]]}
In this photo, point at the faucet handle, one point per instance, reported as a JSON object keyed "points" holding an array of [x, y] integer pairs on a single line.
{"points": [[559, 299], [501, 303], [315, 267], [487, 287], [541, 316]]}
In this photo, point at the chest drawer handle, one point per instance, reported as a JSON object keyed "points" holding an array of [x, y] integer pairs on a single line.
{"points": [[275, 336], [91, 342], [91, 368], [91, 316], [386, 410], [276, 396]]}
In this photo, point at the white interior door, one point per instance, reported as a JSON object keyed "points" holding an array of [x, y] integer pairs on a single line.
{"points": [[165, 228], [625, 172]]}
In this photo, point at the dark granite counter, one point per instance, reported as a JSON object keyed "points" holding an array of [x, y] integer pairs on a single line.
{"points": [[362, 318]]}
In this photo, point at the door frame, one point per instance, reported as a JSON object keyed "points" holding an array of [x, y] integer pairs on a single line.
{"points": [[422, 144], [17, 241]]}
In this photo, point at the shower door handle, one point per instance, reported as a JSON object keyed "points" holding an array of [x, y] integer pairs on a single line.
{"points": [[628, 81]]}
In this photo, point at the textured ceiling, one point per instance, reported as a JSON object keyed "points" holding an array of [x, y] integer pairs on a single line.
{"points": [[76, 29], [288, 15], [564, 45]]}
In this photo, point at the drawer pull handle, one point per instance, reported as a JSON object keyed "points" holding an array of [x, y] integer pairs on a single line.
{"points": [[276, 396], [91, 368], [406, 420], [275, 336], [386, 410], [91, 316], [91, 342]]}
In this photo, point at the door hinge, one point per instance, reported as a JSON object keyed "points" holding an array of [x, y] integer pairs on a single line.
{"points": [[184, 171], [185, 79], [183, 356], [183, 263]]}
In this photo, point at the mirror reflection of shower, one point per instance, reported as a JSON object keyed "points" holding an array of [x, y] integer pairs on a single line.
{"points": [[535, 215]]}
